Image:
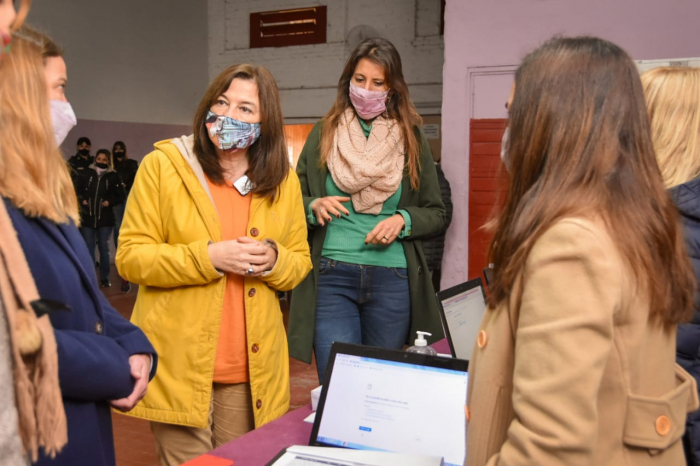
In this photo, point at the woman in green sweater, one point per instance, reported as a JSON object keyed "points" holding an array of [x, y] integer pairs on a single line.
{"points": [[370, 194]]}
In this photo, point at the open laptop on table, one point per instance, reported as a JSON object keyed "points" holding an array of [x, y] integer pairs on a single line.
{"points": [[383, 400], [461, 310]]}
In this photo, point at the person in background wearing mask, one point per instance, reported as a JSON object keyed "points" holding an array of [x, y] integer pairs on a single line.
{"points": [[214, 227], [99, 190], [103, 360], [126, 169], [82, 160], [371, 195], [673, 103]]}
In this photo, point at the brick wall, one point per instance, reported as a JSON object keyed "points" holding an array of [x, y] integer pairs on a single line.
{"points": [[308, 75]]}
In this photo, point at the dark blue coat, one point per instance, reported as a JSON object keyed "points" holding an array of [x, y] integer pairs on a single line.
{"points": [[94, 341], [687, 199]]}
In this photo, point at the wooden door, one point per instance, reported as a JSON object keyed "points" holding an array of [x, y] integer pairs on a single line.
{"points": [[487, 187], [296, 137]]}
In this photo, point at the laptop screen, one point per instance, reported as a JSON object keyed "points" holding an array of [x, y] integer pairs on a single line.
{"points": [[386, 405], [462, 310]]}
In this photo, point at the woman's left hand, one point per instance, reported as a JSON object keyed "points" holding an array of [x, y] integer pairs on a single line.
{"points": [[270, 256], [105, 203], [140, 368], [386, 231]]}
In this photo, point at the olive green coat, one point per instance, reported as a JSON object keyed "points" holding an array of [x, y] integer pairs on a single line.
{"points": [[427, 216]]}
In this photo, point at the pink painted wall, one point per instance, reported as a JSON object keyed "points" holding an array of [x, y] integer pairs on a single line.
{"points": [[498, 33], [138, 137]]}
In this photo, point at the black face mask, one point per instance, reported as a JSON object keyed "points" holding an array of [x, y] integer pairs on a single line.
{"points": [[119, 154], [103, 166], [84, 152]]}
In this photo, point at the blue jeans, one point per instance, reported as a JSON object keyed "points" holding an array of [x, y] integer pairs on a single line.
{"points": [[360, 304], [118, 217], [103, 234]]}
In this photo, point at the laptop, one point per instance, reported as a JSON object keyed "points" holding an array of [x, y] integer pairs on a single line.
{"points": [[386, 400], [461, 310]]}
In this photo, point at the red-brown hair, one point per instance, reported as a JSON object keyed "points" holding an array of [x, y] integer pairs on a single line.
{"points": [[580, 144], [267, 157], [399, 106]]}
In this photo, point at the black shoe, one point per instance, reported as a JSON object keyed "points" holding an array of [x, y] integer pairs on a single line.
{"points": [[126, 286], [105, 283]]}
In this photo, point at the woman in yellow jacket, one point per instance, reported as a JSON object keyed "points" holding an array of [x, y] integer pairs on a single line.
{"points": [[213, 227]]}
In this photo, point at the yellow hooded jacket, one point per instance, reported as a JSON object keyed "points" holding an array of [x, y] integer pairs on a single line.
{"points": [[169, 221]]}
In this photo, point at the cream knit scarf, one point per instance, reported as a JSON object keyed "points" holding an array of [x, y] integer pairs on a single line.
{"points": [[42, 419], [369, 169]]}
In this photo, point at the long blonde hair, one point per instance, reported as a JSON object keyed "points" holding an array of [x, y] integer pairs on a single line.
{"points": [[21, 14], [33, 174], [673, 104]]}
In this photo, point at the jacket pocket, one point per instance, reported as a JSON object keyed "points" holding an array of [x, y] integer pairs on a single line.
{"points": [[655, 423], [153, 316]]}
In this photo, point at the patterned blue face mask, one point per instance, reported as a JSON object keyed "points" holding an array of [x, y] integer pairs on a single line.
{"points": [[231, 133]]}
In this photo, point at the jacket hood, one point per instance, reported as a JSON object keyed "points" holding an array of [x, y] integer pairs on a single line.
{"points": [[687, 198], [181, 148]]}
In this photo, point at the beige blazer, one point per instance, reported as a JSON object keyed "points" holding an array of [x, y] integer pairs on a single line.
{"points": [[577, 374]]}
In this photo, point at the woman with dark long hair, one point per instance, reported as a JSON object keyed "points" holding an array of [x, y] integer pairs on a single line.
{"points": [[213, 229], [575, 359], [371, 194]]}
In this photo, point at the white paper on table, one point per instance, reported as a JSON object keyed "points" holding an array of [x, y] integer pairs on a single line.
{"points": [[310, 418], [353, 457]]}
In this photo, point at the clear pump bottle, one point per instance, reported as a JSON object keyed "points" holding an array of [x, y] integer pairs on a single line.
{"points": [[420, 345]]}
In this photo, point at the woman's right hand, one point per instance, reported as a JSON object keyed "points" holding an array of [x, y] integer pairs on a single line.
{"points": [[236, 257], [324, 208]]}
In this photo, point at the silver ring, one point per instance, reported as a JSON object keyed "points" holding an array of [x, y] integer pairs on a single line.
{"points": [[250, 271], [323, 211]]}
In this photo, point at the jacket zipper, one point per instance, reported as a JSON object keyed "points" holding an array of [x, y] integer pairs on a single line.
{"points": [[98, 211]]}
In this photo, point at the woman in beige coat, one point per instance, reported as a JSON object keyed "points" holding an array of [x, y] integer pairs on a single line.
{"points": [[574, 361]]}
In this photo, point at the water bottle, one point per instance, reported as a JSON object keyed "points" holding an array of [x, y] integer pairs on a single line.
{"points": [[420, 345]]}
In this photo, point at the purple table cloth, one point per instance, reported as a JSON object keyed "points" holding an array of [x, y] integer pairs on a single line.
{"points": [[258, 447]]}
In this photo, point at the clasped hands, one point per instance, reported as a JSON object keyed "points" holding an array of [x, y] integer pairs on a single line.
{"points": [[384, 233], [243, 256]]}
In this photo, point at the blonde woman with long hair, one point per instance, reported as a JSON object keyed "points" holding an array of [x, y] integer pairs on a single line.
{"points": [[103, 360], [673, 103]]}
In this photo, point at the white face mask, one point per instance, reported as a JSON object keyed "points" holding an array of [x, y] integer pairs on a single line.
{"points": [[504, 147], [63, 119]]}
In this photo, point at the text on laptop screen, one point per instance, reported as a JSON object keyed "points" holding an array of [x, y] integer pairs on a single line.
{"points": [[375, 404], [463, 313]]}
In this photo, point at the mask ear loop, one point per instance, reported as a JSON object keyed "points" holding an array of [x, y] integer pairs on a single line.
{"points": [[21, 15]]}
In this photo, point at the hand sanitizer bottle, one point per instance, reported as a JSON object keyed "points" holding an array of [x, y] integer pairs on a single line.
{"points": [[420, 345]]}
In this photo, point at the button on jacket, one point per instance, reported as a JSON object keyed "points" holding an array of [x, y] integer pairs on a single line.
{"points": [[576, 373], [169, 221]]}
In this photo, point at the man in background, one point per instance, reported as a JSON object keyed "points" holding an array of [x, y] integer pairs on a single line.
{"points": [[82, 160]]}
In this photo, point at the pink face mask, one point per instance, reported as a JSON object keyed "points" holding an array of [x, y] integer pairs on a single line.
{"points": [[368, 104]]}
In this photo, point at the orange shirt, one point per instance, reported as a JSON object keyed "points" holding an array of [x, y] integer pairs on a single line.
{"points": [[231, 365]]}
